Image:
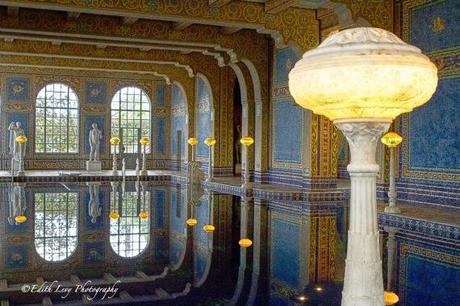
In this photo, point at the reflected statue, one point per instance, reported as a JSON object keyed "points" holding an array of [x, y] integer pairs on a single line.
{"points": [[94, 208], [15, 131], [95, 136], [17, 203]]}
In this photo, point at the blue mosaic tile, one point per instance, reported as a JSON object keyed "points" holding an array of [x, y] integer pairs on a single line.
{"points": [[435, 26], [96, 92], [94, 252], [17, 89], [16, 256], [285, 252]]}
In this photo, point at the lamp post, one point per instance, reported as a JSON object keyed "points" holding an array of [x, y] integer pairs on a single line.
{"points": [[115, 141], [144, 141], [391, 140], [192, 141], [246, 141], [362, 78], [210, 142], [21, 140]]}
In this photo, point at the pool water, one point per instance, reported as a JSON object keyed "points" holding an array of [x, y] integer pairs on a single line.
{"points": [[133, 240]]}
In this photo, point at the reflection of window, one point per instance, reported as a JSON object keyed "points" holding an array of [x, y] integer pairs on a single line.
{"points": [[131, 117], [55, 225], [129, 235], [56, 120]]}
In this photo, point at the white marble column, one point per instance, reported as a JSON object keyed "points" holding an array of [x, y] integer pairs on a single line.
{"points": [[363, 284]]}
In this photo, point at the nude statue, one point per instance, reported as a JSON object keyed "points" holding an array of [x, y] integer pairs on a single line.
{"points": [[94, 209], [95, 136]]}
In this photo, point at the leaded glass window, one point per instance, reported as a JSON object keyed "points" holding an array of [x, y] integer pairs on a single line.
{"points": [[129, 235], [56, 224], [131, 117], [56, 120]]}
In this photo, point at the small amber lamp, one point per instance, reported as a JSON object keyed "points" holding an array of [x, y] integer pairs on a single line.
{"points": [[144, 141], [114, 140], [245, 243], [210, 141], [191, 222], [247, 141], [209, 228], [390, 298], [20, 219], [21, 139], [144, 214], [193, 141], [391, 139], [114, 215]]}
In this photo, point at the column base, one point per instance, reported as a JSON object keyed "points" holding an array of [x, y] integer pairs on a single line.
{"points": [[392, 209], [93, 165], [144, 172]]}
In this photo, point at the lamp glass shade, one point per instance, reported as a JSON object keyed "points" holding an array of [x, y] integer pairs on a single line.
{"points": [[391, 139], [247, 141], [114, 215], [363, 73], [144, 141], [21, 139], [143, 214], [191, 222], [208, 228], [245, 243], [114, 140], [193, 141], [390, 298], [20, 219], [210, 141]]}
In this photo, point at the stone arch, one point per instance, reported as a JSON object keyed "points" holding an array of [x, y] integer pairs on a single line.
{"points": [[204, 118], [179, 122]]}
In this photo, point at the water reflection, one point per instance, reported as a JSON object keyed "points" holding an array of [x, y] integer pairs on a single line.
{"points": [[296, 257], [130, 231], [56, 225]]}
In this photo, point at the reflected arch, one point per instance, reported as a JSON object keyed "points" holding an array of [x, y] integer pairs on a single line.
{"points": [[55, 225]]}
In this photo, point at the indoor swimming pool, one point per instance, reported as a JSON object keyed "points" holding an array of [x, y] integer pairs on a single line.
{"points": [[140, 243]]}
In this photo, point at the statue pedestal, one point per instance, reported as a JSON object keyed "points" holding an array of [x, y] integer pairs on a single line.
{"points": [[92, 165]]}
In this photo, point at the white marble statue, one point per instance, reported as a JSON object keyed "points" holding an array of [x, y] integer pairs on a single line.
{"points": [[15, 131], [95, 136], [94, 209]]}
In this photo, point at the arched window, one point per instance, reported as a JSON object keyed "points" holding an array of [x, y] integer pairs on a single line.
{"points": [[56, 224], [131, 117], [129, 234], [56, 120]]}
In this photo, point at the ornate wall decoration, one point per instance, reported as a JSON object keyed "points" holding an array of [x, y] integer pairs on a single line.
{"points": [[422, 263], [95, 92], [437, 159], [16, 256], [17, 89], [293, 24]]}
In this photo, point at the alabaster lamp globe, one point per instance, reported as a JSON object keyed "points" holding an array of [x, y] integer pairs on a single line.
{"points": [[191, 222], [391, 139], [144, 141], [114, 140], [362, 78], [363, 73], [247, 141], [210, 141], [245, 242], [21, 139], [193, 141], [20, 219]]}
